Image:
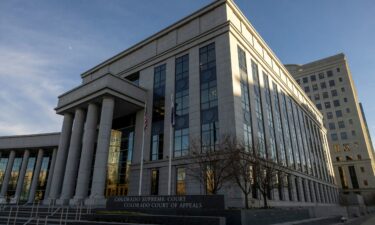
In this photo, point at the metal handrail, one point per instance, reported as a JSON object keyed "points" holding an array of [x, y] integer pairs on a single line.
{"points": [[10, 213], [67, 213], [15, 216]]}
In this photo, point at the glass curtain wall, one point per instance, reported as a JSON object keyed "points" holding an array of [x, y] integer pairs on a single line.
{"points": [[120, 156], [181, 133], [208, 93], [158, 113]]}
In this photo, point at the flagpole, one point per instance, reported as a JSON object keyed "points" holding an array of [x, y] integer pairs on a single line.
{"points": [[170, 147], [142, 150]]}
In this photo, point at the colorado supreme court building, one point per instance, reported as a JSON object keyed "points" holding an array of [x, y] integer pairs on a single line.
{"points": [[224, 79]]}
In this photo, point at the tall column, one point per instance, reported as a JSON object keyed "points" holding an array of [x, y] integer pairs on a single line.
{"points": [[62, 152], [312, 189], [293, 188], [34, 182], [4, 187], [101, 158], [301, 189], [307, 188], [88, 145], [74, 155], [317, 193], [50, 173], [21, 177]]}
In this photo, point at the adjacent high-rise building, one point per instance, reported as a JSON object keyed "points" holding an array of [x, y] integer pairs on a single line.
{"points": [[329, 83], [117, 138]]}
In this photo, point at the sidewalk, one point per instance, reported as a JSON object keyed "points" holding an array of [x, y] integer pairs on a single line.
{"points": [[370, 221]]}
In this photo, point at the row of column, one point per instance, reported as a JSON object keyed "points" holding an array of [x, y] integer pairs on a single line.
{"points": [[70, 183], [21, 176], [310, 191]]}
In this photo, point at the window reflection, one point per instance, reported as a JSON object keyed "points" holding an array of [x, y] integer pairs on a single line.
{"points": [[14, 176], [27, 179], [119, 160], [181, 187], [42, 182], [3, 166]]}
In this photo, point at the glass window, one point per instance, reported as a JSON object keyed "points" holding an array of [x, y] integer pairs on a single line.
{"points": [[343, 135], [365, 182], [334, 137], [347, 110], [208, 90], [181, 134], [181, 142], [258, 109], [345, 100], [327, 105], [134, 78], [305, 80], [271, 150], [279, 129], [154, 182], [287, 135], [336, 103], [362, 169], [342, 89], [245, 99], [341, 124], [208, 77], [182, 85], [317, 96], [321, 76], [180, 183], [350, 121], [319, 106], [157, 147], [325, 94], [338, 113], [119, 157], [323, 85], [315, 87], [209, 135], [353, 133], [340, 79], [313, 78], [332, 126], [331, 83], [329, 115], [329, 73], [338, 69], [334, 93], [158, 111], [307, 89]]}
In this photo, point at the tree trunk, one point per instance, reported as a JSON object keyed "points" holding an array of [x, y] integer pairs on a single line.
{"points": [[247, 201], [265, 201]]}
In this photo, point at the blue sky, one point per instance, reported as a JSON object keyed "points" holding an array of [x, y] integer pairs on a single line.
{"points": [[46, 44]]}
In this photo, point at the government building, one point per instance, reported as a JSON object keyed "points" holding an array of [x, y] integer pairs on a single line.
{"points": [[117, 138], [329, 83]]}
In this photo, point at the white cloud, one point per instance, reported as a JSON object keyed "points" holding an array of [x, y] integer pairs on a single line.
{"points": [[28, 93]]}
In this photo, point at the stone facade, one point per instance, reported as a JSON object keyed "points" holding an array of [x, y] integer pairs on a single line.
{"points": [[208, 61], [329, 83]]}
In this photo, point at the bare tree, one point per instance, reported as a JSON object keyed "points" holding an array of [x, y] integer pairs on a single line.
{"points": [[241, 162], [209, 167], [252, 172], [268, 176]]}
